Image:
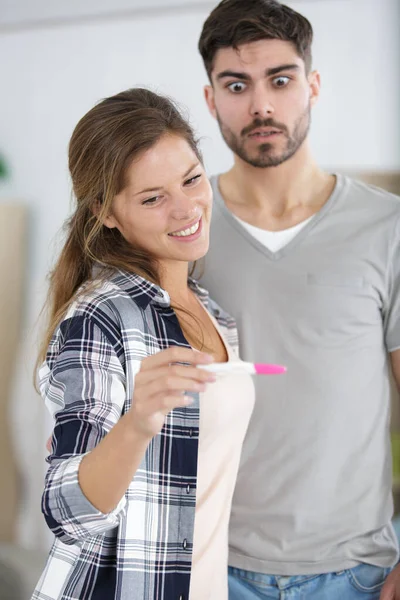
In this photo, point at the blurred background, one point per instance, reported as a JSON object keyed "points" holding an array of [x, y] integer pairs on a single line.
{"points": [[57, 60]]}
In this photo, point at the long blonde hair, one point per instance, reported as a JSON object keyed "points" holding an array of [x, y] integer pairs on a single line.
{"points": [[102, 146]]}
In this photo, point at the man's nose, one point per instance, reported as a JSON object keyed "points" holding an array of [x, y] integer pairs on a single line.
{"points": [[261, 105]]}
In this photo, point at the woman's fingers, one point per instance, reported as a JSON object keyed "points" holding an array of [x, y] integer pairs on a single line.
{"points": [[164, 383], [175, 354], [171, 384], [171, 402], [193, 373]]}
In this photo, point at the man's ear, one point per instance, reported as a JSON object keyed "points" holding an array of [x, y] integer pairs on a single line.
{"points": [[210, 99], [109, 220], [314, 80]]}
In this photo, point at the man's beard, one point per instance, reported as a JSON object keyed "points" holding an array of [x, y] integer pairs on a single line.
{"points": [[265, 152]]}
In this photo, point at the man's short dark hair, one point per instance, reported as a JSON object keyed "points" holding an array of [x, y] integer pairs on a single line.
{"points": [[236, 22]]}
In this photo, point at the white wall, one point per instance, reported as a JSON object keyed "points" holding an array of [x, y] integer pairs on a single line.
{"points": [[51, 75], [20, 13]]}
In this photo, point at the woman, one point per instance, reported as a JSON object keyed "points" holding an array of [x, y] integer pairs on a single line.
{"points": [[140, 481]]}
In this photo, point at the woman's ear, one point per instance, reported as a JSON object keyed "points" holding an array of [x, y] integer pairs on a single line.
{"points": [[108, 221]]}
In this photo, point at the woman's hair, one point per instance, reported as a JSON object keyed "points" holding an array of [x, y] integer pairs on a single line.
{"points": [[102, 147], [236, 22]]}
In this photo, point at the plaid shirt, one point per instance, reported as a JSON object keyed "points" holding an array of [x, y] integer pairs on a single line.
{"points": [[141, 550]]}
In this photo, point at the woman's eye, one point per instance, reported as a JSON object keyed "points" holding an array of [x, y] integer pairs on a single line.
{"points": [[236, 87], [151, 200], [281, 81], [192, 179]]}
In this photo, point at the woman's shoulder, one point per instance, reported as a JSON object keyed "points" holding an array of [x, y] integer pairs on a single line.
{"points": [[98, 303], [115, 295], [110, 305], [107, 315]]}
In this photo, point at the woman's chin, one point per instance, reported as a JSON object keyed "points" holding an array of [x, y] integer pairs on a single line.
{"points": [[200, 252]]}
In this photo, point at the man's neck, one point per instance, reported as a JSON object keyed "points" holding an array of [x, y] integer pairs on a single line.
{"points": [[276, 197]]}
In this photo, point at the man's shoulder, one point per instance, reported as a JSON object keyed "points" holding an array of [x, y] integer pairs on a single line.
{"points": [[365, 192]]}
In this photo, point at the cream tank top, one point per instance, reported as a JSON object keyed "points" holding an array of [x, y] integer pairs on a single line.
{"points": [[225, 411]]}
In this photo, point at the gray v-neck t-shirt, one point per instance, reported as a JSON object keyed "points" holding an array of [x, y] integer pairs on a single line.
{"points": [[313, 493]]}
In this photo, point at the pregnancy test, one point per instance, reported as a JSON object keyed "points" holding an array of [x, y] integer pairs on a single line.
{"points": [[239, 367]]}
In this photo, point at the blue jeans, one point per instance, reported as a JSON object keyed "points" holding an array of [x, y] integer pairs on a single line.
{"points": [[363, 582]]}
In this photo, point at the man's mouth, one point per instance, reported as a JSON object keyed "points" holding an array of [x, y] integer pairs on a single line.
{"points": [[186, 232], [263, 133]]}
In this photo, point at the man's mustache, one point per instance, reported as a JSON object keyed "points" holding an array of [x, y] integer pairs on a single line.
{"points": [[263, 123]]}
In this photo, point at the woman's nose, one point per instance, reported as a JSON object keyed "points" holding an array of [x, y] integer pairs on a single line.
{"points": [[183, 206]]}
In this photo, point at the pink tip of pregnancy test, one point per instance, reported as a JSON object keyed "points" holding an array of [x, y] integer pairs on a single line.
{"points": [[263, 369]]}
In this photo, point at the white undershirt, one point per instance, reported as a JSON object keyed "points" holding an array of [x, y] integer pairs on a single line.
{"points": [[274, 240], [225, 411]]}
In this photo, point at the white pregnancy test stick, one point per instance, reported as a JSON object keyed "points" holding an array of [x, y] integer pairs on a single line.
{"points": [[238, 367]]}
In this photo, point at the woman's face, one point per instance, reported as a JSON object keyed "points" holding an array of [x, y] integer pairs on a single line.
{"points": [[165, 207]]}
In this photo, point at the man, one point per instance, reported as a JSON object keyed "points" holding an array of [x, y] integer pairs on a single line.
{"points": [[308, 263]]}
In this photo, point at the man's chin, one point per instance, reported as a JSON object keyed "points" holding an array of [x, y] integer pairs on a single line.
{"points": [[262, 161]]}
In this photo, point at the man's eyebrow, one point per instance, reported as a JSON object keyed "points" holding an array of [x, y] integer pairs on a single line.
{"points": [[245, 77], [156, 189], [275, 70], [235, 74]]}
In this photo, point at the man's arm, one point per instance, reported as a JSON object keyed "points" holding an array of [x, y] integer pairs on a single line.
{"points": [[391, 589], [395, 360]]}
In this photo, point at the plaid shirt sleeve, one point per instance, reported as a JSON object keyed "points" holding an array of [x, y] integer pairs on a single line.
{"points": [[84, 378]]}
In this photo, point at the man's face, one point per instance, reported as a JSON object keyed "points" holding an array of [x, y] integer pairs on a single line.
{"points": [[262, 99]]}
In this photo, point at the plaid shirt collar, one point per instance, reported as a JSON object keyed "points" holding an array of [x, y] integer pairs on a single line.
{"points": [[145, 292]]}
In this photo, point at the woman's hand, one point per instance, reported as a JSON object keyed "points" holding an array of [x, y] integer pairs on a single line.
{"points": [[161, 385]]}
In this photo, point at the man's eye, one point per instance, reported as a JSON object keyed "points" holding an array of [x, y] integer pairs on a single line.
{"points": [[151, 200], [281, 81], [192, 179], [237, 87]]}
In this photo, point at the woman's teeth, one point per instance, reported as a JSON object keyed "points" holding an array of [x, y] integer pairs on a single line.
{"points": [[186, 232]]}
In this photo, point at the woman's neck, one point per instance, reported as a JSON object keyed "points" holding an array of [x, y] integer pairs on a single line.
{"points": [[174, 279]]}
